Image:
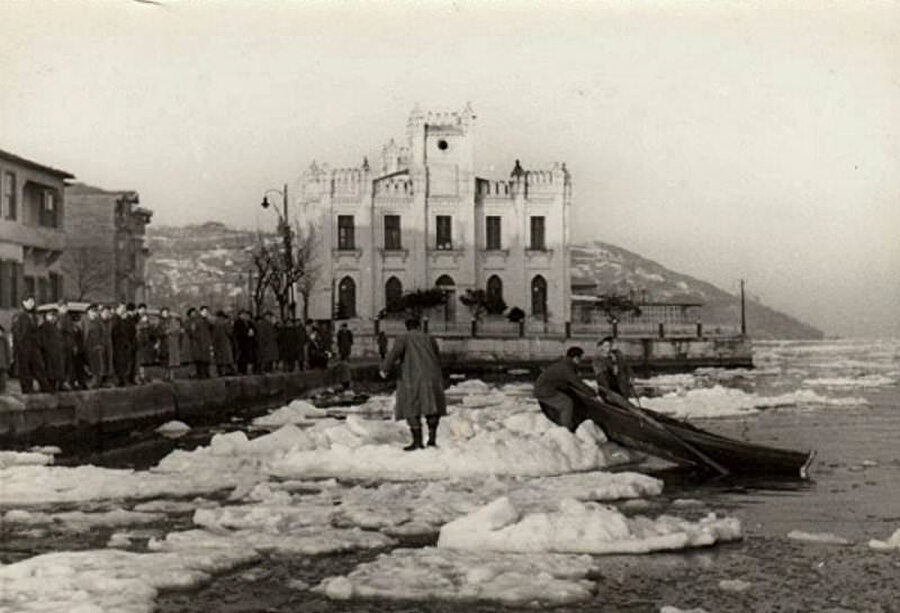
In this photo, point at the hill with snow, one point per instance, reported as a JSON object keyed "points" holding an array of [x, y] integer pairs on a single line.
{"points": [[618, 270], [210, 264]]}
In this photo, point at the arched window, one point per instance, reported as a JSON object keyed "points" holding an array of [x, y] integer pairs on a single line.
{"points": [[446, 283], [539, 297], [393, 291], [346, 298], [494, 295]]}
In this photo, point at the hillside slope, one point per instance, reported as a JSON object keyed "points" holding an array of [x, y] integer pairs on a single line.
{"points": [[615, 269], [210, 264]]}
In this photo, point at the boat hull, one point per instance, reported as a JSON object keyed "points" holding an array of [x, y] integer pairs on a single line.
{"points": [[633, 427]]}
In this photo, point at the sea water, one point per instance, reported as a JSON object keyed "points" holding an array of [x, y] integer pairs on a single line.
{"points": [[351, 516]]}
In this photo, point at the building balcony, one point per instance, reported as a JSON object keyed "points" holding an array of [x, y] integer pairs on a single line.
{"points": [[394, 256], [36, 237], [350, 257], [445, 257]]}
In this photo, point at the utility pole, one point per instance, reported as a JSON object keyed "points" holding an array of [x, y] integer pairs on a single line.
{"points": [[289, 256], [743, 312]]}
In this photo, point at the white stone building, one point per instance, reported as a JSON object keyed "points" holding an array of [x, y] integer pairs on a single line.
{"points": [[419, 217]]}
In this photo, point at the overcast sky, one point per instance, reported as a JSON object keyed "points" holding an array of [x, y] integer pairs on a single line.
{"points": [[724, 140]]}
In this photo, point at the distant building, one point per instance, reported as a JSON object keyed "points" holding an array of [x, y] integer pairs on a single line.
{"points": [[106, 251], [419, 217], [32, 237]]}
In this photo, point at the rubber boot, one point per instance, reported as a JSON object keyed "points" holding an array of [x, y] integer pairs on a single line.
{"points": [[416, 440], [432, 434]]}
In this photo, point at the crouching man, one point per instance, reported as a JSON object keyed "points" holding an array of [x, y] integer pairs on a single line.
{"points": [[551, 388], [420, 384]]}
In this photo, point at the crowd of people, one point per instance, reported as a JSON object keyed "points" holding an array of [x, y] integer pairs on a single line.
{"points": [[115, 345]]}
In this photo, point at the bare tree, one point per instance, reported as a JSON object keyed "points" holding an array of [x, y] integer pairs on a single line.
{"points": [[88, 272], [263, 261], [306, 261]]}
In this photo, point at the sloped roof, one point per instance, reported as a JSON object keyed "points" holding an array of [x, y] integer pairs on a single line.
{"points": [[6, 155]]}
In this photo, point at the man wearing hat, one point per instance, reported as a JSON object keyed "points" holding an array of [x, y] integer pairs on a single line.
{"points": [[29, 361]]}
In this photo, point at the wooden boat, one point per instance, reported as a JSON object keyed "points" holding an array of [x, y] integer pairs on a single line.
{"points": [[683, 443]]}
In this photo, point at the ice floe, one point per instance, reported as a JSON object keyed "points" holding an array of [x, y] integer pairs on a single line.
{"points": [[109, 580], [80, 520], [721, 401], [24, 458], [578, 527], [439, 574], [818, 537], [470, 443], [297, 412], [173, 429], [892, 543]]}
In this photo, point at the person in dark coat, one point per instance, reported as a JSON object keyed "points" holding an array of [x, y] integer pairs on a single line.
{"points": [[611, 370], [245, 342], [382, 341], [552, 385], [5, 359], [266, 342], [95, 345], [107, 318], [73, 349], [200, 335], [131, 322], [344, 342], [29, 360], [420, 384], [50, 341], [298, 336], [316, 352], [67, 330], [146, 346], [170, 335], [123, 345], [222, 345]]}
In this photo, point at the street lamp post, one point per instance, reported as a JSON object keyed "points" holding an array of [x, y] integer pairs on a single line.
{"points": [[284, 220]]}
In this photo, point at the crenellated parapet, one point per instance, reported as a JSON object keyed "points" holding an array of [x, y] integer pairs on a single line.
{"points": [[556, 180], [394, 187], [490, 188], [450, 119]]}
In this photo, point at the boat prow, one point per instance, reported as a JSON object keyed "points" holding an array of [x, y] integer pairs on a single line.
{"points": [[686, 444]]}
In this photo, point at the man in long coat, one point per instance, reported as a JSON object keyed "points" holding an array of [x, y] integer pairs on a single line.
{"points": [[123, 345], [420, 385], [29, 361], [95, 345], [201, 340], [266, 342], [344, 342], [51, 343], [221, 341], [611, 370], [245, 342]]}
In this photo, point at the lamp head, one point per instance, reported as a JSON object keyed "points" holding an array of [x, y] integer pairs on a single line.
{"points": [[265, 202]]}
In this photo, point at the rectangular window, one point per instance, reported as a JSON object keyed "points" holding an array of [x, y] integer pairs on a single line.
{"points": [[492, 241], [43, 293], [537, 234], [29, 286], [47, 216], [15, 273], [5, 278], [444, 232], [9, 203], [345, 232], [56, 289], [392, 232]]}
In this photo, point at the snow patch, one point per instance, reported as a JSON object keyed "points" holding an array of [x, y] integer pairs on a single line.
{"points": [[439, 574], [580, 528]]}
